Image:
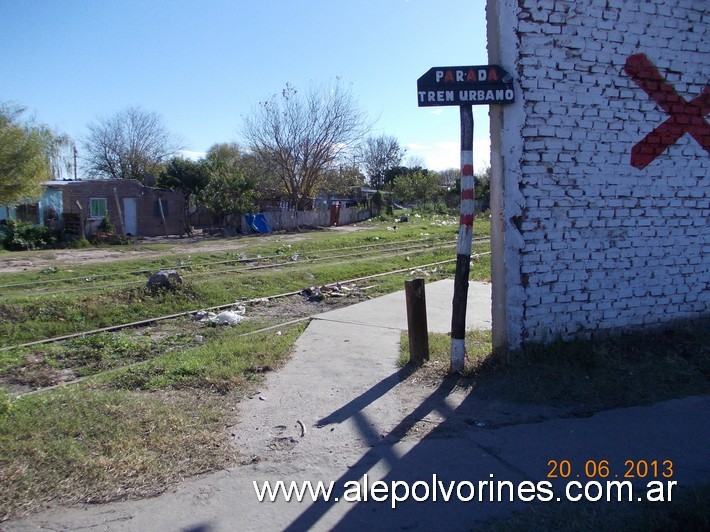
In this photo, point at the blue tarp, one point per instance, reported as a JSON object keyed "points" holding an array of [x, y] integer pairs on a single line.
{"points": [[258, 223]]}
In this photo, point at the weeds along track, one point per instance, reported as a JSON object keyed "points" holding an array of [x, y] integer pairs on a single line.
{"points": [[206, 270], [190, 263], [232, 304], [31, 317], [71, 376]]}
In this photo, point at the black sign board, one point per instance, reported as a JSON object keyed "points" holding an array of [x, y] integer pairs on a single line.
{"points": [[465, 85]]}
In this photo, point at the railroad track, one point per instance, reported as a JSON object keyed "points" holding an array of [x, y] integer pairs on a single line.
{"points": [[154, 320], [149, 321], [244, 264], [304, 267]]}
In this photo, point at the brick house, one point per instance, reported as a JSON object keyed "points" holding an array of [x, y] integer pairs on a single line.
{"points": [[133, 209]]}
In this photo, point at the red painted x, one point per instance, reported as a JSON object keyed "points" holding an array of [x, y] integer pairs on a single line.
{"points": [[685, 117]]}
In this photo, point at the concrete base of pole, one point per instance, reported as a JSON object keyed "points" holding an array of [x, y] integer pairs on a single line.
{"points": [[458, 355]]}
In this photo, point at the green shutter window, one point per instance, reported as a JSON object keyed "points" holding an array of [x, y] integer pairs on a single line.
{"points": [[98, 207]]}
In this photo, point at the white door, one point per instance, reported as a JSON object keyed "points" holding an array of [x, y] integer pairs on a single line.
{"points": [[130, 221]]}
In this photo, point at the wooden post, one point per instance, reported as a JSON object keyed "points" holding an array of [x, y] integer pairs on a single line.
{"points": [[463, 249], [82, 223], [87, 219], [416, 321], [162, 215], [118, 208]]}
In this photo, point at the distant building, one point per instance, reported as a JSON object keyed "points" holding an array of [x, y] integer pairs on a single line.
{"points": [[79, 207]]}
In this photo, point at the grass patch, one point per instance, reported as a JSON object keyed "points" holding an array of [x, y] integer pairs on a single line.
{"points": [[80, 444], [25, 319], [133, 431], [199, 259], [83, 356], [229, 362], [478, 347], [618, 371], [43, 365]]}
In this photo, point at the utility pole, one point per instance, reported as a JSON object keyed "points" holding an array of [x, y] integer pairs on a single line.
{"points": [[75, 157]]}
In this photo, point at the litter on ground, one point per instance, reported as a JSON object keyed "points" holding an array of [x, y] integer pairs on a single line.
{"points": [[226, 317]]}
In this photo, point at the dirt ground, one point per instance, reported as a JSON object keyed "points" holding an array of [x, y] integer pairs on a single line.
{"points": [[23, 261]]}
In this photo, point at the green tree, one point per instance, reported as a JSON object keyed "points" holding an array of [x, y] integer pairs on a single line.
{"points": [[26, 150], [186, 176], [228, 193], [482, 184], [341, 180], [262, 173], [419, 186], [396, 171], [225, 157]]}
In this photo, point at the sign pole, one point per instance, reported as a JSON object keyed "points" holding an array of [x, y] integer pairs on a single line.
{"points": [[463, 248], [464, 86]]}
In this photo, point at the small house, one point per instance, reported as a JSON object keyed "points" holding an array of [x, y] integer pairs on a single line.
{"points": [[132, 208]]}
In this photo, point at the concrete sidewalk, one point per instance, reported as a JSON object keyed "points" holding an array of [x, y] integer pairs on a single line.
{"points": [[339, 412]]}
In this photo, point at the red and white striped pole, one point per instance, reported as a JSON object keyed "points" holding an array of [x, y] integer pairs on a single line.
{"points": [[463, 249]]}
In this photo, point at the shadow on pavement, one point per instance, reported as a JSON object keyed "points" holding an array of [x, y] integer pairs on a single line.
{"points": [[454, 477], [441, 455]]}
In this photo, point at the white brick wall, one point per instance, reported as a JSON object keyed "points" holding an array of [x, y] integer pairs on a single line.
{"points": [[590, 242]]}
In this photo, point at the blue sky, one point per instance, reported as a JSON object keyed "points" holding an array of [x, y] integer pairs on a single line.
{"points": [[203, 65]]}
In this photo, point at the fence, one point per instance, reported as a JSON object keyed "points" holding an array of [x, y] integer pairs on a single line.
{"points": [[284, 220]]}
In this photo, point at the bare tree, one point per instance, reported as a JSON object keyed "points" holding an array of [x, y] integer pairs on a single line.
{"points": [[450, 176], [132, 144], [415, 161], [379, 154], [299, 138]]}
